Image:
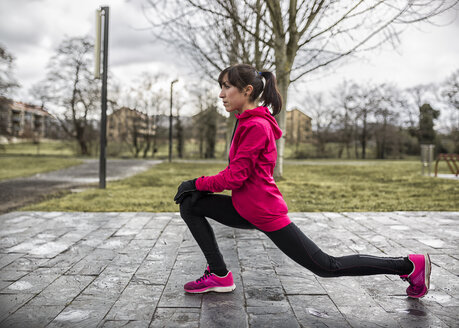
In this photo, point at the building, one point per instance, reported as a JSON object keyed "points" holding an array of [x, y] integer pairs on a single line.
{"points": [[209, 118], [24, 120], [126, 124], [298, 125], [209, 130]]}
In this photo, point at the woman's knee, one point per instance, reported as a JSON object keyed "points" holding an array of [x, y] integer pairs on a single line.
{"points": [[186, 207], [325, 265]]}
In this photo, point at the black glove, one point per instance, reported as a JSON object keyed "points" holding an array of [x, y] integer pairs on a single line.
{"points": [[184, 189]]}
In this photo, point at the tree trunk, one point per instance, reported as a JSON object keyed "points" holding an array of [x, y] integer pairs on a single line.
{"points": [[147, 147], [283, 81], [180, 141], [81, 141], [364, 135]]}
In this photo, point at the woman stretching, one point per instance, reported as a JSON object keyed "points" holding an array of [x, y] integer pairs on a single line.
{"points": [[256, 202]]}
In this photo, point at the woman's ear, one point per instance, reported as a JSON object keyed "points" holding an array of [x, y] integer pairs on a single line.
{"points": [[248, 90]]}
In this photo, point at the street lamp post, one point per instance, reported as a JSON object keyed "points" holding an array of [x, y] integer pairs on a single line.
{"points": [[103, 120], [170, 124]]}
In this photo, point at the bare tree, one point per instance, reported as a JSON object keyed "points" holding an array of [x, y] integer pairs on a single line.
{"points": [[41, 92], [206, 128], [387, 106], [367, 100], [415, 97], [344, 97], [72, 89], [8, 82], [147, 97], [324, 119], [294, 38]]}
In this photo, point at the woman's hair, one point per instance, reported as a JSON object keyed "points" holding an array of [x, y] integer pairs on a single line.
{"points": [[242, 75]]}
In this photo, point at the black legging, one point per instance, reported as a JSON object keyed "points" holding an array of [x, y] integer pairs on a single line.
{"points": [[289, 239]]}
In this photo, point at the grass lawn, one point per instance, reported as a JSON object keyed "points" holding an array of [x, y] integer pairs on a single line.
{"points": [[45, 147], [14, 166], [365, 186]]}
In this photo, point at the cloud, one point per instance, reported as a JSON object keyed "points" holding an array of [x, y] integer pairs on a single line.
{"points": [[32, 29]]}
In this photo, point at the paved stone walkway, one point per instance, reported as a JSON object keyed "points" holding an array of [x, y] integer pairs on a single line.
{"points": [[128, 270]]}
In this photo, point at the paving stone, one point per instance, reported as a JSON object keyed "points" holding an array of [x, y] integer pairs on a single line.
{"points": [[26, 246], [183, 271], [447, 262], [316, 311], [447, 314], [34, 282], [25, 264], [273, 316], [84, 311], [176, 318], [9, 303], [107, 285], [12, 275], [158, 222], [62, 291], [94, 263], [32, 316], [117, 222], [148, 234], [69, 257], [128, 231], [232, 304], [128, 270], [125, 324], [50, 249], [137, 302], [345, 291], [260, 278], [409, 312], [442, 281], [4, 284], [264, 296], [115, 243], [294, 278], [383, 285], [97, 237], [367, 316]]}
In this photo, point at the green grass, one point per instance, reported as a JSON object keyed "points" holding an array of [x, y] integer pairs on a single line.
{"points": [[15, 166], [46, 147], [371, 186]]}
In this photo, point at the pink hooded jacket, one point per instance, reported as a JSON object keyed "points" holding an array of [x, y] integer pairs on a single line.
{"points": [[249, 174]]}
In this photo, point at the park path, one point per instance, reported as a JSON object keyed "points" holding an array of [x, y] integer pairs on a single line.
{"points": [[128, 270], [18, 192]]}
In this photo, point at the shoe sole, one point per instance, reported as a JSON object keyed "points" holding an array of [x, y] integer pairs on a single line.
{"points": [[226, 289], [427, 272]]}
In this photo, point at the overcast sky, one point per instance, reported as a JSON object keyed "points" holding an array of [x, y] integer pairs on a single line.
{"points": [[32, 29]]}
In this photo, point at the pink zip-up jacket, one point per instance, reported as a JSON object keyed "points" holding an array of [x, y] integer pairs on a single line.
{"points": [[249, 174]]}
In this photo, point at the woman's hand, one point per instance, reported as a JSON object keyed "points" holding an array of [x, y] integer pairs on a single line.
{"points": [[188, 188], [185, 188]]}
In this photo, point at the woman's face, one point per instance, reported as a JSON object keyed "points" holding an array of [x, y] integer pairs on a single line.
{"points": [[233, 98]]}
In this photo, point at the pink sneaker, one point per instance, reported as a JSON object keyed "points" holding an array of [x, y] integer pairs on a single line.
{"points": [[210, 282], [419, 278]]}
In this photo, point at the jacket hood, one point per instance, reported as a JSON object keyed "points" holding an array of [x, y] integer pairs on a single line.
{"points": [[263, 112]]}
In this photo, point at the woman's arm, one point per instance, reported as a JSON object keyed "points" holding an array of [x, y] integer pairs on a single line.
{"points": [[252, 140]]}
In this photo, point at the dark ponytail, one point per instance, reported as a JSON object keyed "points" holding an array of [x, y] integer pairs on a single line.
{"points": [[271, 96], [242, 75]]}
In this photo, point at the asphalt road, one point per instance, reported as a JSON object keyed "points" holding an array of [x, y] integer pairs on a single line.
{"points": [[15, 193]]}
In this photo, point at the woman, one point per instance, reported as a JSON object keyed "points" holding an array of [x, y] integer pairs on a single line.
{"points": [[256, 202]]}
